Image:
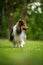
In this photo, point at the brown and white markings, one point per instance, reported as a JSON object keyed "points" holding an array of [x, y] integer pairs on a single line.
{"points": [[18, 35]]}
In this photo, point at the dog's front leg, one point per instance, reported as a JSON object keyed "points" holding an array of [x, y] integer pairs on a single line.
{"points": [[22, 43]]}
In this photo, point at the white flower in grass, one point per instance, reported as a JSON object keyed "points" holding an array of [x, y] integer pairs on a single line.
{"points": [[36, 12], [33, 7], [39, 10], [37, 3], [29, 12]]}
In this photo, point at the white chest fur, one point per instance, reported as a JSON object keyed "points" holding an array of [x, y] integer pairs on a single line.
{"points": [[19, 38]]}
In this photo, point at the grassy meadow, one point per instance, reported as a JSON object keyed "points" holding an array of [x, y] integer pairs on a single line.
{"points": [[30, 54]]}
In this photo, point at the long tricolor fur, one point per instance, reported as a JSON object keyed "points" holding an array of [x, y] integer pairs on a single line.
{"points": [[18, 35]]}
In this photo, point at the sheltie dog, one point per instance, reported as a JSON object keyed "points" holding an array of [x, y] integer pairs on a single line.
{"points": [[18, 34]]}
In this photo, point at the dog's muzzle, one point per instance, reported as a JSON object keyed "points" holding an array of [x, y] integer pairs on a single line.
{"points": [[25, 28]]}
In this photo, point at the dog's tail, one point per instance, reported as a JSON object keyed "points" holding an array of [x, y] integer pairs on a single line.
{"points": [[11, 36]]}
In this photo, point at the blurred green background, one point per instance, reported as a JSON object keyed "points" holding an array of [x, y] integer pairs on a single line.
{"points": [[32, 52], [12, 10]]}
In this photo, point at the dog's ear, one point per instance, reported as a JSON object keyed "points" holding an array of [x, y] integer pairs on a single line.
{"points": [[20, 23]]}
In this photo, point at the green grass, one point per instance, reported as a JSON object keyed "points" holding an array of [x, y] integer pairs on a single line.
{"points": [[30, 54]]}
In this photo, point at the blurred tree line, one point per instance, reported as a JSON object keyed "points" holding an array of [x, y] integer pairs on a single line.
{"points": [[12, 10]]}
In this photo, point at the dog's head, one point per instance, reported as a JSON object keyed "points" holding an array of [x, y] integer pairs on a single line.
{"points": [[21, 26]]}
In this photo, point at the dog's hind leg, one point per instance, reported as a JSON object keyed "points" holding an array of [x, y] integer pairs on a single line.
{"points": [[11, 36]]}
